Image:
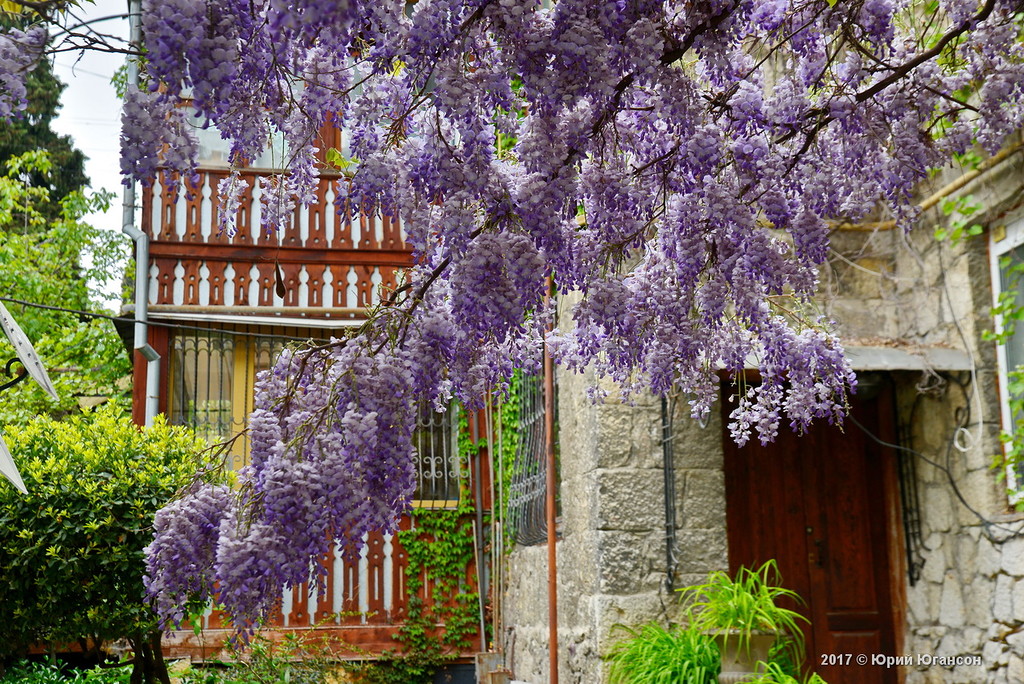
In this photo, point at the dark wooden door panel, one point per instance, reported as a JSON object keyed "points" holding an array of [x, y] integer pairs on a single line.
{"points": [[817, 505]]}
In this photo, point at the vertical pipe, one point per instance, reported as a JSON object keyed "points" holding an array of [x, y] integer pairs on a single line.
{"points": [[478, 558], [497, 513], [482, 575], [495, 555], [141, 248], [668, 456], [549, 448]]}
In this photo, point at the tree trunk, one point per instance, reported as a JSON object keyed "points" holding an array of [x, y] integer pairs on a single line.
{"points": [[137, 662], [149, 666], [159, 666]]}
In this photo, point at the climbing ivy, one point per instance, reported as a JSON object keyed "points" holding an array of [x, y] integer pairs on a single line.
{"points": [[509, 412], [439, 550], [962, 224]]}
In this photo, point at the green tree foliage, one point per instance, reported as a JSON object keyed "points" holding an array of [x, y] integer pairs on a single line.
{"points": [[66, 263], [32, 132], [71, 551]]}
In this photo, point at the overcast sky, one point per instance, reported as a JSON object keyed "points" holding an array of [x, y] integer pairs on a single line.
{"points": [[91, 112]]}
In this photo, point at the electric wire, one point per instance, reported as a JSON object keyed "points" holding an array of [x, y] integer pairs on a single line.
{"points": [[167, 324], [962, 438], [986, 523], [970, 355]]}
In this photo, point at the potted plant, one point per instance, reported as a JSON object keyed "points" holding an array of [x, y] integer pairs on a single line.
{"points": [[744, 618], [733, 631]]}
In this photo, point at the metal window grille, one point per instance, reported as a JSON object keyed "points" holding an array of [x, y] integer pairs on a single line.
{"points": [[527, 515], [212, 374], [439, 464], [211, 377], [910, 502], [265, 350], [202, 366]]}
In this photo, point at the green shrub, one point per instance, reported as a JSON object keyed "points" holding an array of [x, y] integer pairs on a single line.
{"points": [[71, 551], [47, 673], [291, 661], [657, 655]]}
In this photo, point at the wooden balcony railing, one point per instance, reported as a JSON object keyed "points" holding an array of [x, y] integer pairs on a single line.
{"points": [[326, 259], [356, 615]]}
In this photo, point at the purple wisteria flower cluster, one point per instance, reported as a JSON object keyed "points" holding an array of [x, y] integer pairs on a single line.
{"points": [[19, 52], [321, 471], [676, 165]]}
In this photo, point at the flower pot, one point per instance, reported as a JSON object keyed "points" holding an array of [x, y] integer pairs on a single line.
{"points": [[740, 664]]}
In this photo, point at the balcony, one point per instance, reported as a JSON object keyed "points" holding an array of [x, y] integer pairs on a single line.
{"points": [[325, 260], [220, 307]]}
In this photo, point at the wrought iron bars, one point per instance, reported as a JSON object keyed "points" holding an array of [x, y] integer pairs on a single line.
{"points": [[526, 512], [202, 365], [439, 464]]}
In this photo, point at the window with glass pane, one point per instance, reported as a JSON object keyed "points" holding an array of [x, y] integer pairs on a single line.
{"points": [[1008, 281], [1011, 268], [201, 382], [214, 150], [438, 466], [212, 377], [212, 374]]}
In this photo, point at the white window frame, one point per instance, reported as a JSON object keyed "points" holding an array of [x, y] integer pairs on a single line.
{"points": [[1002, 240]]}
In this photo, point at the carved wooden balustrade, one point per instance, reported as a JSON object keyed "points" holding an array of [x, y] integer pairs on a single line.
{"points": [[327, 259], [355, 616]]}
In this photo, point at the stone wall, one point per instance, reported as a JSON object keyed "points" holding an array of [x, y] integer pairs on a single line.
{"points": [[884, 289], [612, 565], [964, 604], [912, 290]]}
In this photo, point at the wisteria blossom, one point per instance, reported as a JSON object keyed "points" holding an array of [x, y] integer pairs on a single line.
{"points": [[673, 166], [19, 51]]}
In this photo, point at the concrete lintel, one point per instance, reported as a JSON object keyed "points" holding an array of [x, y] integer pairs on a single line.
{"points": [[864, 358]]}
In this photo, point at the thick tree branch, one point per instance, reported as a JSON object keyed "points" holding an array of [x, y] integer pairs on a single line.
{"points": [[821, 116], [670, 56], [905, 68]]}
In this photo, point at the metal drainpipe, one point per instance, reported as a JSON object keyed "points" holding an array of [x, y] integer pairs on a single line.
{"points": [[141, 248], [668, 458]]}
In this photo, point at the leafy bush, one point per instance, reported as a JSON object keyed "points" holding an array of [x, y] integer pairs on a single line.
{"points": [[71, 551], [58, 260], [291, 661], [655, 655], [47, 673]]}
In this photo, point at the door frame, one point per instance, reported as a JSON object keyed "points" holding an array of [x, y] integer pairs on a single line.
{"points": [[880, 390]]}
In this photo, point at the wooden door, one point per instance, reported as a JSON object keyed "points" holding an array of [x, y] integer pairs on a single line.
{"points": [[822, 506]]}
